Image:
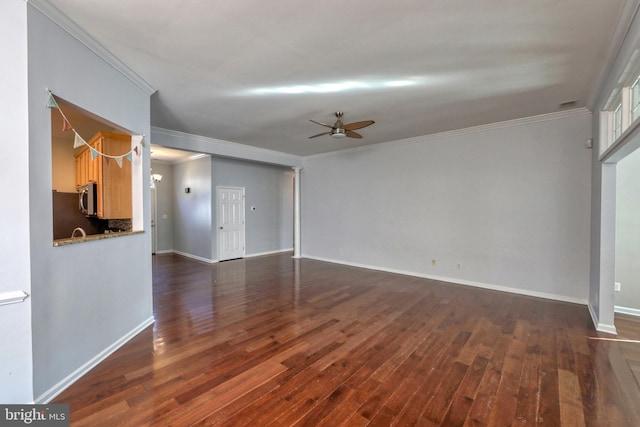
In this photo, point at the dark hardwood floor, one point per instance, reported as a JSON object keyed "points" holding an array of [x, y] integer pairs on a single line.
{"points": [[283, 342]]}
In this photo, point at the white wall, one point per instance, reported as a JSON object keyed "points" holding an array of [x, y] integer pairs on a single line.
{"points": [[165, 203], [509, 202], [603, 208], [269, 228], [628, 232], [192, 211], [269, 188], [86, 298], [15, 334]]}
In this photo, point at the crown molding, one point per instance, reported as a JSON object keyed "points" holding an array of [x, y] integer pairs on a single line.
{"points": [[64, 22], [459, 132]]}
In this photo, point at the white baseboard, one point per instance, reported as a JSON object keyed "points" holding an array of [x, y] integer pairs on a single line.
{"points": [[196, 257], [168, 251], [489, 286], [62, 385], [210, 261], [601, 327], [626, 310], [278, 251]]}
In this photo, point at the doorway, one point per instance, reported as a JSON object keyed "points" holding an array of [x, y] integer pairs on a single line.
{"points": [[154, 220], [231, 227]]}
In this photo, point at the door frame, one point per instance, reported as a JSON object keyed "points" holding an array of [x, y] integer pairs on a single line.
{"points": [[218, 216], [154, 219]]}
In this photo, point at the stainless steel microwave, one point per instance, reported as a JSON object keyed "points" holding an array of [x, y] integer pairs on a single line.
{"points": [[88, 199]]}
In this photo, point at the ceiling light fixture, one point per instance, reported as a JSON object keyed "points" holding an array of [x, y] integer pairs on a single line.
{"points": [[338, 133]]}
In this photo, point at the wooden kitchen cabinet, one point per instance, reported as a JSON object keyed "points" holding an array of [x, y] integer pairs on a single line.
{"points": [[113, 182]]}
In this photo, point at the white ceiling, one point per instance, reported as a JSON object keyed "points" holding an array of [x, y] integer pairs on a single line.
{"points": [[255, 71]]}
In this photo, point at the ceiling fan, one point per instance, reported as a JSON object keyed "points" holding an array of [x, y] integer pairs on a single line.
{"points": [[339, 130]]}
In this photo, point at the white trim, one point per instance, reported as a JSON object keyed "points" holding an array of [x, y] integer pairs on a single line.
{"points": [[12, 297], [459, 132], [626, 310], [67, 381], [623, 25], [489, 286], [601, 327], [618, 149], [196, 257], [166, 251], [296, 213], [202, 144], [277, 251], [58, 17], [173, 251]]}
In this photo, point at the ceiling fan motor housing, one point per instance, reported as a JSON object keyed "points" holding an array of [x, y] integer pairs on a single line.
{"points": [[338, 133]]}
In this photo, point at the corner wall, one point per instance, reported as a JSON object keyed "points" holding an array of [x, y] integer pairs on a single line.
{"points": [[269, 188], [508, 203], [192, 226], [16, 360], [87, 299]]}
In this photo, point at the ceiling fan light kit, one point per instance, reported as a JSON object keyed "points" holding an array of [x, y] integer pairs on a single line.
{"points": [[339, 130], [338, 133]]}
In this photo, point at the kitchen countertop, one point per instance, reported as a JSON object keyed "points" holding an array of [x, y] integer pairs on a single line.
{"points": [[92, 237]]}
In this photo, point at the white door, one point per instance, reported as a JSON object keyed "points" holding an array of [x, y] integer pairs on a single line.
{"points": [[230, 223]]}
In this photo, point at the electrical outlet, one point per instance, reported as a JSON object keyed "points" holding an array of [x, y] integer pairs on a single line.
{"points": [[433, 262], [616, 286]]}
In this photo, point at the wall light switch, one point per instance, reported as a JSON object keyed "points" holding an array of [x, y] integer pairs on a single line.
{"points": [[616, 287]]}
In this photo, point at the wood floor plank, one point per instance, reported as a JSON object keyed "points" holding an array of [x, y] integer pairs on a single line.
{"points": [[282, 342]]}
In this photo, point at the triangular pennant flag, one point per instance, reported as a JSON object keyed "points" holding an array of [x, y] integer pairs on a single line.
{"points": [[137, 139], [94, 153], [107, 160], [65, 125], [78, 141], [128, 156], [119, 161], [136, 150], [51, 102]]}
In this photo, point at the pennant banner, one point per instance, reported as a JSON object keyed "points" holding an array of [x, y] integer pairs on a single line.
{"points": [[51, 102], [78, 141], [137, 139]]}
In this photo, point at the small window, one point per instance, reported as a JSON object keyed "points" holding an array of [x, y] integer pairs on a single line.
{"points": [[635, 99], [617, 122]]}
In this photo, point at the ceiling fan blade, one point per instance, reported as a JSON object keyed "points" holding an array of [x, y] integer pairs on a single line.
{"points": [[320, 134], [358, 125], [352, 134], [321, 124]]}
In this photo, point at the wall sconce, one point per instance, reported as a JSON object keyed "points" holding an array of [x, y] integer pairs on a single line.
{"points": [[156, 177]]}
